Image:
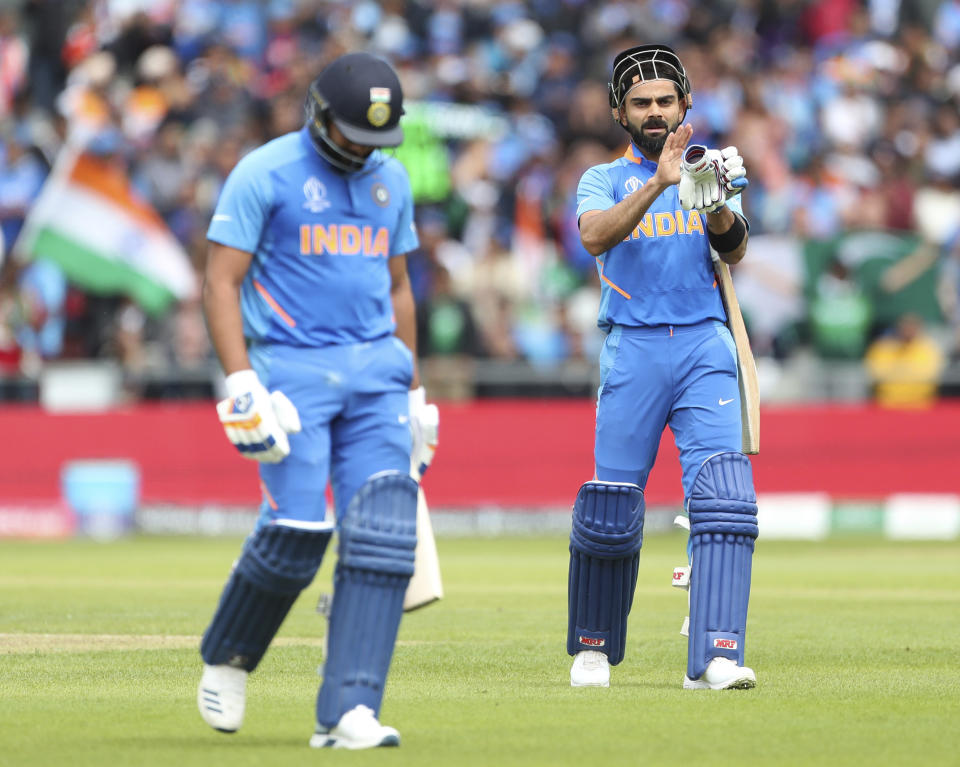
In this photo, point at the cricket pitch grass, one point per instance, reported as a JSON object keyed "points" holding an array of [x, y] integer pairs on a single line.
{"points": [[854, 641]]}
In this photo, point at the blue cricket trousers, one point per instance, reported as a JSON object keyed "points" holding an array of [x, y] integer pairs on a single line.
{"points": [[354, 407], [681, 376]]}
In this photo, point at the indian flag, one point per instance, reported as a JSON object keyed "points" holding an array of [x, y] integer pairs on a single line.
{"points": [[90, 221]]}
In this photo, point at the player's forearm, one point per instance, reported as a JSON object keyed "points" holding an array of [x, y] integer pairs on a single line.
{"points": [[723, 227], [604, 229], [404, 309], [221, 308]]}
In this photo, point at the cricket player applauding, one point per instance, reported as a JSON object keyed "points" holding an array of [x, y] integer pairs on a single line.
{"points": [[310, 310], [651, 218]]}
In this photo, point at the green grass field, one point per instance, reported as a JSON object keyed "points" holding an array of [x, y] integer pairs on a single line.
{"points": [[854, 643]]}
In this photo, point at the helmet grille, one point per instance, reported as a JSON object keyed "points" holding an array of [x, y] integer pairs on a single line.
{"points": [[645, 63]]}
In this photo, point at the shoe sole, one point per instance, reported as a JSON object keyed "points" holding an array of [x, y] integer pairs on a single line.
{"points": [[740, 683], [589, 684], [320, 740]]}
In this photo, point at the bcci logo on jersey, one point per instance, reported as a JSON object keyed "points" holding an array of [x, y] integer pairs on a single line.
{"points": [[380, 194], [316, 194]]}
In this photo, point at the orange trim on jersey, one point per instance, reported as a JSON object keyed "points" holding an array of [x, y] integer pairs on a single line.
{"points": [[631, 156], [268, 497], [274, 305], [619, 290]]}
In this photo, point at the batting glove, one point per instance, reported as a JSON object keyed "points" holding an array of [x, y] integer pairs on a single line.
{"points": [[257, 423], [424, 429], [733, 176], [709, 177], [699, 180]]}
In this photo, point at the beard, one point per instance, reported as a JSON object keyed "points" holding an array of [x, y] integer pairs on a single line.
{"points": [[652, 145]]}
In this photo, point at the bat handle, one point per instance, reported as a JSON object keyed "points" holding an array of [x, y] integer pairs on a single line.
{"points": [[738, 184]]}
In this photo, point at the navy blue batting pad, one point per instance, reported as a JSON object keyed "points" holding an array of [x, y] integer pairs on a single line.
{"points": [[723, 528], [604, 556], [378, 538], [276, 564]]}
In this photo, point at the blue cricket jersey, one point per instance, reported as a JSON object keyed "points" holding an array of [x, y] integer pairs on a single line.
{"points": [[320, 241], [661, 274]]}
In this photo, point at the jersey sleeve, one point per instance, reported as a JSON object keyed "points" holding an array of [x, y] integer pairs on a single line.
{"points": [[406, 239], [594, 192], [244, 206], [736, 206]]}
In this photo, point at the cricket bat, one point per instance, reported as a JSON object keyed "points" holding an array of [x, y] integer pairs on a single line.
{"points": [[746, 365], [426, 585]]}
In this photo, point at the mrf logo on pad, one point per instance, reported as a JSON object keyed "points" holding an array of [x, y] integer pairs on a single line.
{"points": [[725, 644], [592, 641]]}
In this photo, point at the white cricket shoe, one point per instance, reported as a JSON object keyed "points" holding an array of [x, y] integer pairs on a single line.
{"points": [[590, 668], [222, 696], [722, 674], [358, 728]]}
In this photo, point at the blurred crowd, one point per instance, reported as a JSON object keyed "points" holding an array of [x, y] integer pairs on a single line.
{"points": [[847, 114]]}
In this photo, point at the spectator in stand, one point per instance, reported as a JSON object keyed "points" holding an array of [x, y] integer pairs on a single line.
{"points": [[905, 365], [448, 340], [840, 314], [14, 56], [22, 173], [42, 290], [948, 291], [445, 325], [942, 154], [161, 174], [896, 188], [946, 25]]}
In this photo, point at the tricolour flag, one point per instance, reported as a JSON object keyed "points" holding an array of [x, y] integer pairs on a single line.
{"points": [[106, 238]]}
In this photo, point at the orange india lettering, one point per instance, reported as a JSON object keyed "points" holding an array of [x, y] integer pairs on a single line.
{"points": [[694, 223], [344, 239], [667, 224]]}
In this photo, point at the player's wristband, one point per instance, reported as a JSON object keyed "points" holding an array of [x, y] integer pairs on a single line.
{"points": [[730, 240]]}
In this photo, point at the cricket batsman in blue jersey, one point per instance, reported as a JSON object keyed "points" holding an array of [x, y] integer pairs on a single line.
{"points": [[651, 218], [310, 310]]}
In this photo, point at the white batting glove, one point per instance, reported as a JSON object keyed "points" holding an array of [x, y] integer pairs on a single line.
{"points": [[425, 430], [257, 423], [703, 196], [733, 176], [710, 177], [700, 188]]}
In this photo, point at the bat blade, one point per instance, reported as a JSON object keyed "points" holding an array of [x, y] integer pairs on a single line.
{"points": [[746, 365], [426, 584]]}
